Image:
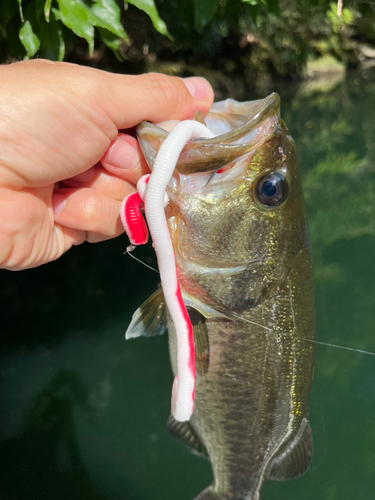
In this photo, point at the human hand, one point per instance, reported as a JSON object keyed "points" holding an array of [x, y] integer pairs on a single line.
{"points": [[64, 167]]}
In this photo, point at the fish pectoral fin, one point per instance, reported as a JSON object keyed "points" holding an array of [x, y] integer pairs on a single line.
{"points": [[295, 460], [201, 345], [149, 319], [186, 435]]}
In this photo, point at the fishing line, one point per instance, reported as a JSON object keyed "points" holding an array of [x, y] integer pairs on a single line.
{"points": [[325, 313], [338, 346], [361, 351], [252, 323], [130, 249]]}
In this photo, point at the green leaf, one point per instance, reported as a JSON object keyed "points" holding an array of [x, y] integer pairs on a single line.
{"points": [[77, 17], [52, 45], [106, 14], [113, 42], [21, 12], [61, 53], [204, 11], [47, 9], [82, 19], [149, 7], [29, 39]]}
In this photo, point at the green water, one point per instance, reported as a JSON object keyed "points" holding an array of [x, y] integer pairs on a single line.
{"points": [[82, 413]]}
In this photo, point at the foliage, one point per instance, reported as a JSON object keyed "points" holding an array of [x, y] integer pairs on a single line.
{"points": [[44, 25], [251, 37]]}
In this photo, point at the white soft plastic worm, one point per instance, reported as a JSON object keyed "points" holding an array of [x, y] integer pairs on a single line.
{"points": [[152, 190], [164, 165]]}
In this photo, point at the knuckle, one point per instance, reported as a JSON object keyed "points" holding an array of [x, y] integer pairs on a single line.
{"points": [[169, 88]]}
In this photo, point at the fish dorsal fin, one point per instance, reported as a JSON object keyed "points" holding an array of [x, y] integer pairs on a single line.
{"points": [[295, 460], [201, 345], [150, 318], [198, 117], [186, 435]]}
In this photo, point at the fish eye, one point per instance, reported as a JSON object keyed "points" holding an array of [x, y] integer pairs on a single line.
{"points": [[272, 189]]}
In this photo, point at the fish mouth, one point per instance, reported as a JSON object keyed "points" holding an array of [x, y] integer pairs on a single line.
{"points": [[247, 125]]}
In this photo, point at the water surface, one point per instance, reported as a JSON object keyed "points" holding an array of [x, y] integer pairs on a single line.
{"points": [[83, 412]]}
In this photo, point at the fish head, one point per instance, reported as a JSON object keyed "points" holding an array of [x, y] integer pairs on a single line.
{"points": [[236, 209]]}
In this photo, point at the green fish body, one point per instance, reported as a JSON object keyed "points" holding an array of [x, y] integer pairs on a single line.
{"points": [[238, 228]]}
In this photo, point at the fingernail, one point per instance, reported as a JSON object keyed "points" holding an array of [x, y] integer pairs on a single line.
{"points": [[198, 87], [58, 202], [122, 155]]}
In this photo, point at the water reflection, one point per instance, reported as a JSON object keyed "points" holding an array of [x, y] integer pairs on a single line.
{"points": [[335, 133], [71, 363]]}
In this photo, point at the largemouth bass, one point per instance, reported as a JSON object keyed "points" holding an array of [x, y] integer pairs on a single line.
{"points": [[237, 223]]}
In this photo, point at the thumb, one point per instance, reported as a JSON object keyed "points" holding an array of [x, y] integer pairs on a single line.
{"points": [[128, 100]]}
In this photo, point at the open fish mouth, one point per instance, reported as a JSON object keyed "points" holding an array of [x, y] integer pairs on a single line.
{"points": [[238, 128]]}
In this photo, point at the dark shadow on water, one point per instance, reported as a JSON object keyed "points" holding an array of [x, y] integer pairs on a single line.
{"points": [[44, 461], [75, 292]]}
